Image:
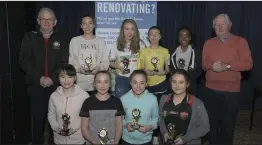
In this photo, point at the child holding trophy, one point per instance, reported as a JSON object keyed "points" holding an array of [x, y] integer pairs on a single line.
{"points": [[141, 111], [124, 57], [102, 113], [88, 54], [183, 117], [155, 61], [64, 107]]}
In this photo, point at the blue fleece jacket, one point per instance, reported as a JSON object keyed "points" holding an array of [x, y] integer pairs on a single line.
{"points": [[148, 105]]}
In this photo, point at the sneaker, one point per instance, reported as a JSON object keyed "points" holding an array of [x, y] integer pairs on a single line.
{"points": [[155, 141]]}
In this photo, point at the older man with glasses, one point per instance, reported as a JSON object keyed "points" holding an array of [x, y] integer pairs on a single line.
{"points": [[41, 53], [224, 58]]}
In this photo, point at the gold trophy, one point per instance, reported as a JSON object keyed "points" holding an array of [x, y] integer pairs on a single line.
{"points": [[88, 62], [66, 122], [154, 61], [137, 115], [171, 133], [103, 136], [181, 63], [126, 64]]}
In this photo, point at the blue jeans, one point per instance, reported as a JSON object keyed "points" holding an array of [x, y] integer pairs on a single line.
{"points": [[122, 86]]}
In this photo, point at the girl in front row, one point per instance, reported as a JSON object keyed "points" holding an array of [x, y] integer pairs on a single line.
{"points": [[186, 113], [102, 113], [64, 107], [141, 107], [155, 60]]}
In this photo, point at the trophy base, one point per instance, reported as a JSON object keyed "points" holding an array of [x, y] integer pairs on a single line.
{"points": [[64, 132], [169, 142], [126, 71], [156, 70], [136, 126], [104, 142], [89, 72]]}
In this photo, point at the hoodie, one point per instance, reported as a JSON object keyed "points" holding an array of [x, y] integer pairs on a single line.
{"points": [[198, 125], [60, 104]]}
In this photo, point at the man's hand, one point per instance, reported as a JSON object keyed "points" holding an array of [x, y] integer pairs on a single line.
{"points": [[42, 82], [219, 66], [46, 82]]}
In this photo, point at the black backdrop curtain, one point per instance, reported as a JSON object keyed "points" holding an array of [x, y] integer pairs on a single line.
{"points": [[18, 17], [245, 17]]}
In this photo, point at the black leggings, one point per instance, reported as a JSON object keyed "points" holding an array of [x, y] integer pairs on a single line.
{"points": [[158, 90]]}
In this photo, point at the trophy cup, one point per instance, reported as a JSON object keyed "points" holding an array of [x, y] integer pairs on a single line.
{"points": [[88, 62], [66, 122], [103, 136], [136, 114], [171, 133], [181, 63], [154, 61], [126, 64]]}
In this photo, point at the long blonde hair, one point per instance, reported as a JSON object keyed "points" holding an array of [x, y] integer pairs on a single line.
{"points": [[121, 42]]}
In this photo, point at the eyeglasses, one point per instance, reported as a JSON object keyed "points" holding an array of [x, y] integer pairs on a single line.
{"points": [[219, 25], [48, 20]]}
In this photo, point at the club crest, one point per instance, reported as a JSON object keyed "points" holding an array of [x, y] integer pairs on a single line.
{"points": [[56, 45]]}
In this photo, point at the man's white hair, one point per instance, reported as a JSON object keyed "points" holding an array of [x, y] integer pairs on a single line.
{"points": [[222, 15], [46, 10]]}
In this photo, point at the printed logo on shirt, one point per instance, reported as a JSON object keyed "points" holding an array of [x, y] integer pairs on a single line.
{"points": [[56, 45], [184, 115], [173, 112], [129, 58], [89, 46]]}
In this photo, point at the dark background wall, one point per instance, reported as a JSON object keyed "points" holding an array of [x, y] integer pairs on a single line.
{"points": [[15, 120], [19, 17]]}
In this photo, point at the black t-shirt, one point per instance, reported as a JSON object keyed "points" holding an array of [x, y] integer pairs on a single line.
{"points": [[179, 115], [102, 114]]}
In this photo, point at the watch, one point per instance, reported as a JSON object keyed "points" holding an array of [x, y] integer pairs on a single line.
{"points": [[228, 67]]}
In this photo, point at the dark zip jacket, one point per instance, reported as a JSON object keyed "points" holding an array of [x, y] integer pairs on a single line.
{"points": [[33, 56], [195, 72]]}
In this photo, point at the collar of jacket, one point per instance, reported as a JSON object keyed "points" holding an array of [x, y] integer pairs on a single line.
{"points": [[40, 33]]}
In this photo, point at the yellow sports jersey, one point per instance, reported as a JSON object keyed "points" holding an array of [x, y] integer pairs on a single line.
{"points": [[154, 59]]}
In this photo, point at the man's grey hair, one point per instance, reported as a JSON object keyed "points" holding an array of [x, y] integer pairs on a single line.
{"points": [[222, 15], [46, 10]]}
